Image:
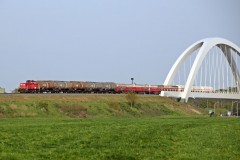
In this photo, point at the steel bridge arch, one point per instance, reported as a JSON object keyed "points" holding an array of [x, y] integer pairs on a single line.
{"points": [[205, 46]]}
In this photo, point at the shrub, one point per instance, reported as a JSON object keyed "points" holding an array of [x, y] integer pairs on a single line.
{"points": [[114, 105], [43, 106], [131, 98], [74, 111]]}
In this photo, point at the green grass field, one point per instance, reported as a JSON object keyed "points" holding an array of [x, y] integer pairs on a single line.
{"points": [[108, 127], [120, 138]]}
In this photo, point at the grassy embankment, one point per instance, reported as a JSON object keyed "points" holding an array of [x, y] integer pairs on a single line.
{"points": [[82, 106]]}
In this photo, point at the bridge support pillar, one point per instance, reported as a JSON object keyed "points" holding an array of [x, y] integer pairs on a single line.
{"points": [[183, 100]]}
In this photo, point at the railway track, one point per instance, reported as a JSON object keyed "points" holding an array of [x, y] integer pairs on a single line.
{"points": [[77, 94]]}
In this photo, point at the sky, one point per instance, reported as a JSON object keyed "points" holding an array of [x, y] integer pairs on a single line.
{"points": [[106, 40]]}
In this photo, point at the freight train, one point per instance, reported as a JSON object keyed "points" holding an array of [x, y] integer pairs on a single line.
{"points": [[31, 86]]}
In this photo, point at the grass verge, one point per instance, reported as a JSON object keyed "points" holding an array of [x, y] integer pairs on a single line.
{"points": [[84, 106]]}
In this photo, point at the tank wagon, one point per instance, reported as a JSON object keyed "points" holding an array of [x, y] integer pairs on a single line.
{"points": [[2, 90], [31, 86]]}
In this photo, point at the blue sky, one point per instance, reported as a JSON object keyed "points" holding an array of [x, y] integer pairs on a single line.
{"points": [[105, 40]]}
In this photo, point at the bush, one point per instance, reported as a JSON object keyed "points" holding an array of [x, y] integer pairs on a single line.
{"points": [[131, 98], [114, 105], [43, 106], [74, 111]]}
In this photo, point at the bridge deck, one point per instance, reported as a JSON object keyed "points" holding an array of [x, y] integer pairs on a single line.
{"points": [[217, 95]]}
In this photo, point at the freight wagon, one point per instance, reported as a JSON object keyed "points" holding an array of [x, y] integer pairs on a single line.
{"points": [[2, 90], [66, 87]]}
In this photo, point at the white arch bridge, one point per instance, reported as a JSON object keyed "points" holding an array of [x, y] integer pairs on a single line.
{"points": [[208, 69]]}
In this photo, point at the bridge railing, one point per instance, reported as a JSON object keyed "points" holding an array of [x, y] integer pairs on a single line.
{"points": [[221, 92]]}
